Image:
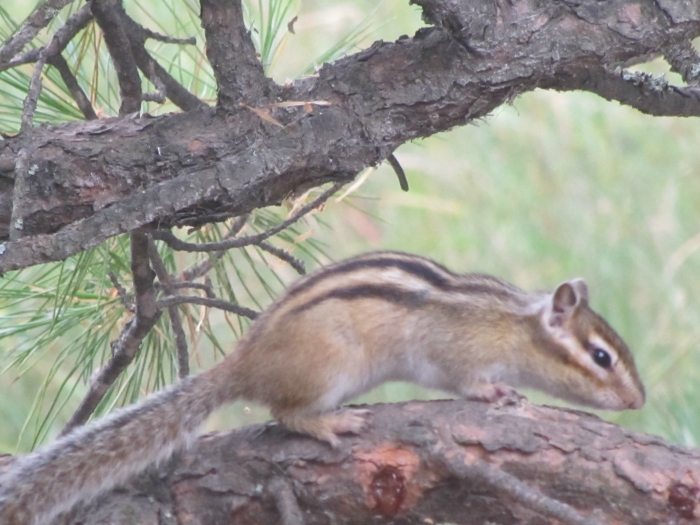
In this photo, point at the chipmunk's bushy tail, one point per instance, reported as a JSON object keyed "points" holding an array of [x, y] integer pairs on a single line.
{"points": [[94, 458]]}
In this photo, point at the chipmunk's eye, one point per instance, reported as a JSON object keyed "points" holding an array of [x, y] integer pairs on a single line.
{"points": [[601, 357]]}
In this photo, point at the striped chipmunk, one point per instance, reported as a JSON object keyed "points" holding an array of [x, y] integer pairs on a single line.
{"points": [[337, 333]]}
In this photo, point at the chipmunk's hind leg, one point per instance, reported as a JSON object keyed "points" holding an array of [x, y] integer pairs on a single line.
{"points": [[325, 426]]}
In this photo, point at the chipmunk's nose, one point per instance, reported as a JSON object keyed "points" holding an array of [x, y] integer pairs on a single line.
{"points": [[637, 402]]}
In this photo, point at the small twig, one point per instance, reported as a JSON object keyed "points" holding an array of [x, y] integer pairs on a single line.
{"points": [[32, 97], [238, 224], [198, 286], [159, 95], [125, 348], [285, 501], [126, 300], [482, 472], [28, 57], [202, 268], [156, 96], [75, 23], [210, 287], [71, 83], [183, 358], [191, 41], [51, 54], [684, 60], [38, 20], [295, 263], [171, 240], [143, 276], [649, 94], [403, 182], [166, 85], [206, 301]]}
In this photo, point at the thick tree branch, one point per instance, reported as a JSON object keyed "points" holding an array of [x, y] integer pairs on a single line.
{"points": [[482, 473], [239, 73], [203, 166], [110, 15], [418, 463]]}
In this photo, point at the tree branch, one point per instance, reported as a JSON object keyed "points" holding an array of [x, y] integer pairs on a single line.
{"points": [[38, 20], [32, 97], [482, 473], [194, 168], [169, 39], [418, 463], [183, 358], [197, 286], [109, 15], [239, 73], [207, 301], [52, 55], [126, 300], [124, 349], [170, 87], [202, 268], [248, 240], [684, 60], [81, 99], [295, 263], [649, 94], [75, 23]]}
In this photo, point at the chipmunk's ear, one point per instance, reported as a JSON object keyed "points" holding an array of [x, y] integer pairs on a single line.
{"points": [[565, 299], [581, 289]]}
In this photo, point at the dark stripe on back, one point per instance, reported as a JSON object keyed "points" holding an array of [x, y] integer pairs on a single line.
{"points": [[406, 298], [413, 267], [385, 292], [430, 272]]}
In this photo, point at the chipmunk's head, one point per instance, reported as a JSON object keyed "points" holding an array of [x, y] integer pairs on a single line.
{"points": [[593, 366]]}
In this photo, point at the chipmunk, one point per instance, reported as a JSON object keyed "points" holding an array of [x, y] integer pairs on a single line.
{"points": [[336, 333]]}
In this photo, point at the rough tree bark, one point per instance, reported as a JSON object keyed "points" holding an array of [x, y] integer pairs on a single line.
{"points": [[419, 463], [65, 189]]}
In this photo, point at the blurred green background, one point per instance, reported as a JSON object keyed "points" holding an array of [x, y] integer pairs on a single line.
{"points": [[553, 187]]}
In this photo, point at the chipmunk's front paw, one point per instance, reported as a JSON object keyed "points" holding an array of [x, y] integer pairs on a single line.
{"points": [[350, 420], [490, 392]]}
